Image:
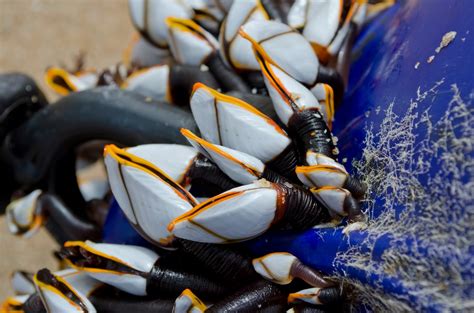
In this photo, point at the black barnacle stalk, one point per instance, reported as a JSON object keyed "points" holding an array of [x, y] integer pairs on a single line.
{"points": [[285, 163], [311, 133], [301, 209], [223, 263], [255, 297], [205, 169], [165, 281], [111, 300]]}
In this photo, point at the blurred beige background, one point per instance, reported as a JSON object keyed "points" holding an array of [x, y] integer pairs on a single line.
{"points": [[35, 34]]}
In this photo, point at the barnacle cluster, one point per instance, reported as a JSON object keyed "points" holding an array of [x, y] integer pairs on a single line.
{"points": [[262, 80]]}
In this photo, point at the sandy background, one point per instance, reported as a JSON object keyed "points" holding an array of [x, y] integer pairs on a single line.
{"points": [[35, 34]]}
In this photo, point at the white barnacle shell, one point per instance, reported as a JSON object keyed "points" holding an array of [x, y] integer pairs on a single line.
{"points": [[239, 166], [309, 295], [284, 47], [188, 302], [149, 197], [148, 17], [275, 267], [135, 258], [79, 280], [332, 198], [287, 94], [150, 82], [319, 19], [56, 300], [12, 303], [22, 216], [239, 214], [234, 48], [321, 175], [22, 283], [233, 123], [176, 166], [190, 43]]}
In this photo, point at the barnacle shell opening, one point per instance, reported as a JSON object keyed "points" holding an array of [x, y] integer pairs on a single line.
{"points": [[239, 166], [127, 267], [63, 82]]}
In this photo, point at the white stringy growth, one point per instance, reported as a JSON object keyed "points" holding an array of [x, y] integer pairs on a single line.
{"points": [[397, 165]]}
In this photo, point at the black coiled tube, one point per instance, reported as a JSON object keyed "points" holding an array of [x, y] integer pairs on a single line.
{"points": [[302, 209], [163, 281], [74, 227], [285, 163], [252, 298], [311, 132], [221, 262], [228, 79], [205, 169]]}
